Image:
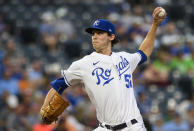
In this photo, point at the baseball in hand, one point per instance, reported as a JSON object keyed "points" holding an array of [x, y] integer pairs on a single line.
{"points": [[162, 13]]}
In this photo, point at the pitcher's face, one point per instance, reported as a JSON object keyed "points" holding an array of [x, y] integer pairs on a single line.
{"points": [[101, 40]]}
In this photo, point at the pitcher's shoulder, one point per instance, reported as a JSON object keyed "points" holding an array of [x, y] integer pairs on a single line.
{"points": [[84, 59], [121, 53]]}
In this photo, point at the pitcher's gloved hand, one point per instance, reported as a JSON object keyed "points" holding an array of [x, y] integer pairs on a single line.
{"points": [[55, 107]]}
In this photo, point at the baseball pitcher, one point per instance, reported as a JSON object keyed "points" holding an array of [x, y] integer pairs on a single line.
{"points": [[107, 78]]}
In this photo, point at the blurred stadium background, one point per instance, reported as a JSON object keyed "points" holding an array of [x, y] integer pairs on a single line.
{"points": [[38, 38]]}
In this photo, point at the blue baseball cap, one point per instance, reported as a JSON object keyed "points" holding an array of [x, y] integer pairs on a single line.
{"points": [[103, 25]]}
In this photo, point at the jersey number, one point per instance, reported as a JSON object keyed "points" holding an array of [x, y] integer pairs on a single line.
{"points": [[128, 81]]}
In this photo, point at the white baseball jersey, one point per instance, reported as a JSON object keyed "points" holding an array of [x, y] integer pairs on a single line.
{"points": [[108, 83]]}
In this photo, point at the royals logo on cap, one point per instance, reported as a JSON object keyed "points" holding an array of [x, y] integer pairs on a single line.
{"points": [[103, 25], [96, 23]]}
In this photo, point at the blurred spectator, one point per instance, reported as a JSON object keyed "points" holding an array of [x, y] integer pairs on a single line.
{"points": [[64, 28], [176, 124], [181, 66], [136, 33], [161, 65], [186, 109], [49, 37], [12, 49], [158, 124], [172, 35], [144, 104], [7, 83], [24, 82], [85, 112], [190, 115], [34, 72], [139, 81], [8, 104], [137, 14], [50, 43], [154, 75], [4, 111], [17, 119], [175, 49], [55, 30], [6, 64], [16, 71], [127, 16], [187, 49], [162, 62], [75, 96], [47, 27]]}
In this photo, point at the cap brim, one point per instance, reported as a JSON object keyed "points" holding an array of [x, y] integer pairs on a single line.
{"points": [[89, 30]]}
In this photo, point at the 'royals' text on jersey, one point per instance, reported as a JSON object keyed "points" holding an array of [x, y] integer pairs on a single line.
{"points": [[108, 83]]}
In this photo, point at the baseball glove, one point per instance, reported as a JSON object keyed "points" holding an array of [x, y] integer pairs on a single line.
{"points": [[56, 105]]}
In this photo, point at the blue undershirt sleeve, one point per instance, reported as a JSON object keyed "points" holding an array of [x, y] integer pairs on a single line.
{"points": [[143, 57], [59, 85]]}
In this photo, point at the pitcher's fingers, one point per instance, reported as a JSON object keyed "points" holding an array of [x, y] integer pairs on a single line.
{"points": [[156, 9], [156, 12]]}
